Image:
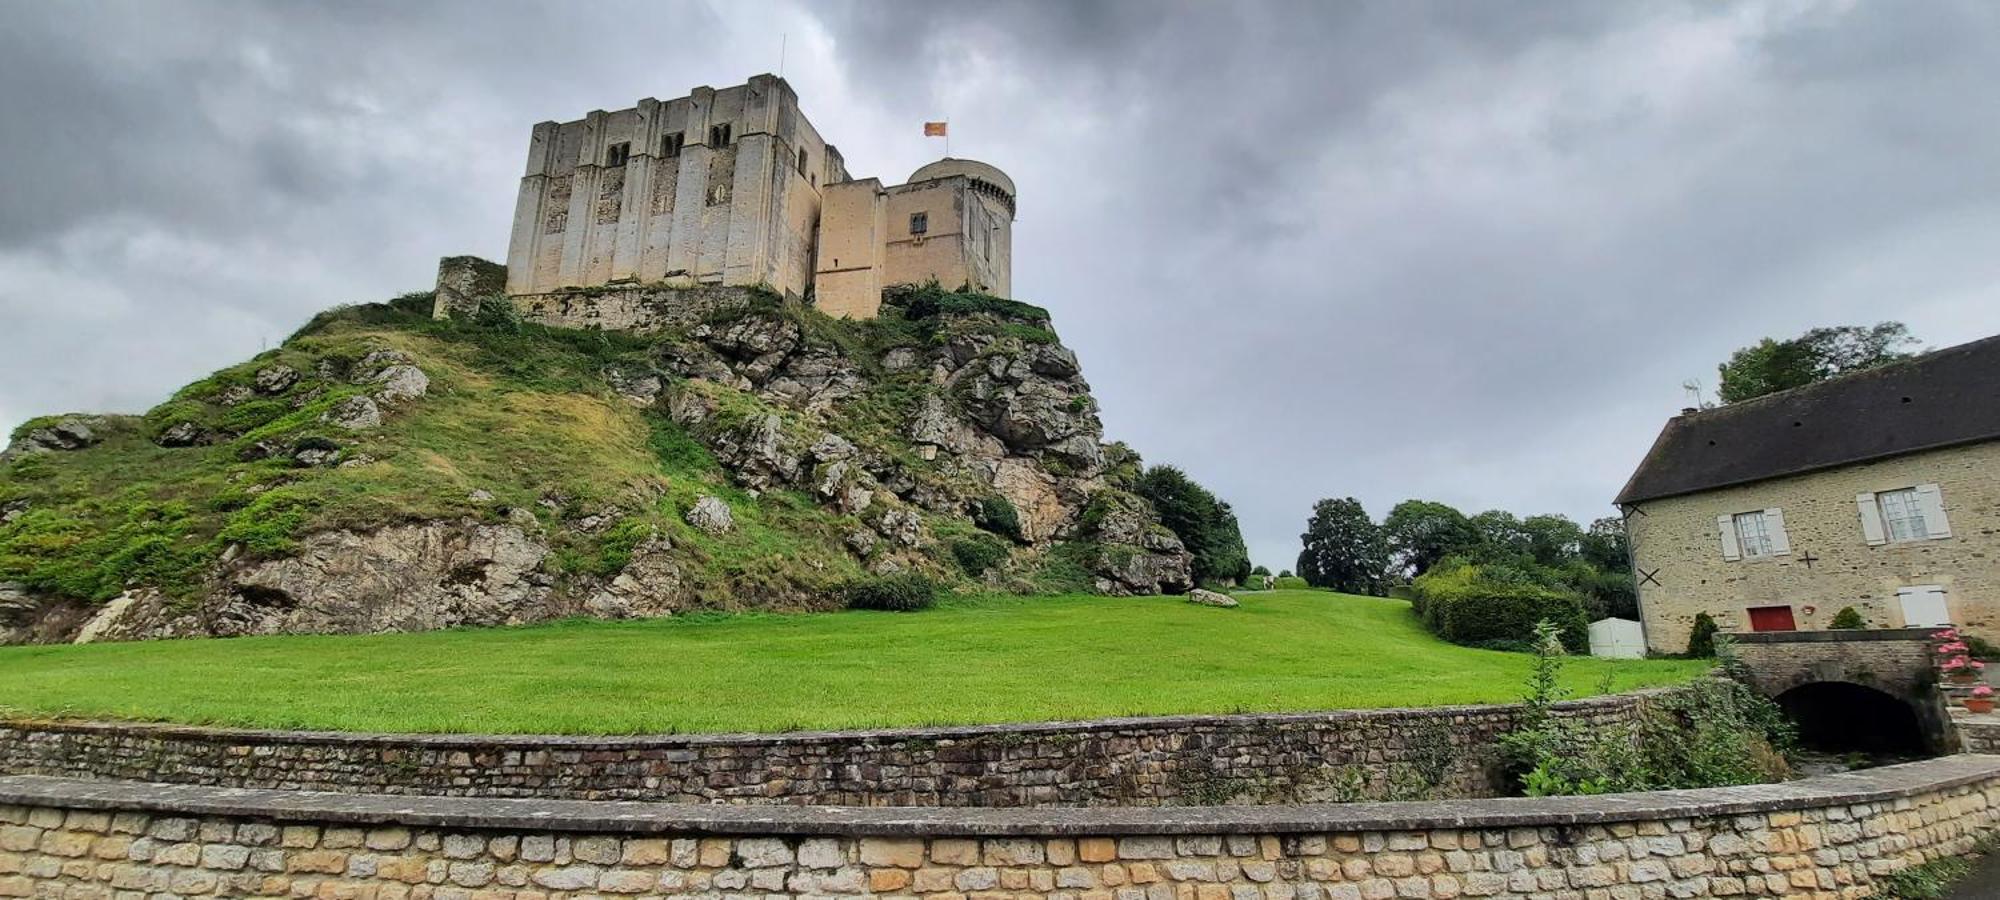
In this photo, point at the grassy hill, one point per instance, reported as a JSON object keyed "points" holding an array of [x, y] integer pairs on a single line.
{"points": [[986, 660], [534, 473]]}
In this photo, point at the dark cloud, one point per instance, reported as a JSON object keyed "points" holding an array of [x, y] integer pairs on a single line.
{"points": [[1389, 249]]}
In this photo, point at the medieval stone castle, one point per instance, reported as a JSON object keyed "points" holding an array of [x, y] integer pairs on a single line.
{"points": [[734, 187]]}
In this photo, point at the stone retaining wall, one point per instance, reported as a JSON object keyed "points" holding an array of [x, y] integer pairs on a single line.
{"points": [[1174, 760], [1828, 837]]}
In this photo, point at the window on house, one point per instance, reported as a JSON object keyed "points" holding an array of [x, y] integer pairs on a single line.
{"points": [[802, 160], [617, 154], [1753, 534], [920, 223], [670, 145], [1901, 516], [1758, 534], [1905, 514], [718, 135]]}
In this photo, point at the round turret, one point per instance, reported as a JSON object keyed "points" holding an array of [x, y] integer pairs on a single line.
{"points": [[985, 178]]}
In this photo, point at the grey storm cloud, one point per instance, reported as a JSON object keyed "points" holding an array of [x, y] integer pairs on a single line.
{"points": [[1466, 252]]}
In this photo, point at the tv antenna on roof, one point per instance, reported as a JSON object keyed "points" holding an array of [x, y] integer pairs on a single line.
{"points": [[1693, 387]]}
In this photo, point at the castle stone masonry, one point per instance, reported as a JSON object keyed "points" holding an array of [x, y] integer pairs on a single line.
{"points": [[735, 187]]}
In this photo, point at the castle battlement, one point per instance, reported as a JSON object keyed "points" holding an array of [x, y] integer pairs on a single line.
{"points": [[736, 187]]}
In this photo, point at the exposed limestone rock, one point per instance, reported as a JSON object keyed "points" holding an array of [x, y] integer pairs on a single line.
{"points": [[638, 387], [1210, 598], [652, 584], [107, 619], [64, 434], [400, 578], [758, 454], [316, 453], [711, 516], [862, 542], [275, 379], [354, 414], [375, 362], [901, 526], [401, 382], [11, 510], [235, 395], [183, 434]]}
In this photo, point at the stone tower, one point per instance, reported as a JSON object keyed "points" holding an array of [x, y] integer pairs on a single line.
{"points": [[735, 187]]}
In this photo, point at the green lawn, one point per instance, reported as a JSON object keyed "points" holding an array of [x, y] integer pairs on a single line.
{"points": [[993, 660]]}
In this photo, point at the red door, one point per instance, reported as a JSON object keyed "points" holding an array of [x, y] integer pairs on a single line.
{"points": [[1772, 618]]}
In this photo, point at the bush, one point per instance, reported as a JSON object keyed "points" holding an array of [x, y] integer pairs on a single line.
{"points": [[1205, 524], [977, 555], [997, 514], [1291, 583], [1710, 733], [1701, 639], [907, 592], [1468, 604], [1848, 618]]}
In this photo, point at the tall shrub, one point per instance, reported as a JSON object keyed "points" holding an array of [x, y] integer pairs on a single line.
{"points": [[1493, 606], [1205, 524]]}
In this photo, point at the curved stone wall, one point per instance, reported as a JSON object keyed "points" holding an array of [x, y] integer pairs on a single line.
{"points": [[1174, 760], [1825, 837]]}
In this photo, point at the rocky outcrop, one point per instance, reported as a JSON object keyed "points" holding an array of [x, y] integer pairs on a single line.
{"points": [[65, 434], [1201, 597]]}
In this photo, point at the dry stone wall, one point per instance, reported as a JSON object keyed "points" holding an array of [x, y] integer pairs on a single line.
{"points": [[1837, 837], [1174, 760]]}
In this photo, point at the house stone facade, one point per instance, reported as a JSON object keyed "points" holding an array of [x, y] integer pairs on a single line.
{"points": [[1878, 491], [736, 187]]}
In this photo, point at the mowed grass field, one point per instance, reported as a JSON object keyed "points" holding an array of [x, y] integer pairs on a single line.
{"points": [[989, 660]]}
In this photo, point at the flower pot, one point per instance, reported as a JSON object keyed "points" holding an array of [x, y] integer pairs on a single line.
{"points": [[1964, 677], [1979, 704]]}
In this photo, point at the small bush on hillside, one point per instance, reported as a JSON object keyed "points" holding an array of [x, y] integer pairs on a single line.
{"points": [[1291, 583], [1701, 638], [906, 592], [978, 555], [1476, 605], [931, 300], [998, 515], [1847, 619]]}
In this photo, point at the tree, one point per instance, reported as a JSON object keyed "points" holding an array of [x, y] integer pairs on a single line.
{"points": [[1259, 570], [1605, 545], [1344, 549], [1552, 540], [1206, 525], [1501, 537], [1769, 366], [1421, 532]]}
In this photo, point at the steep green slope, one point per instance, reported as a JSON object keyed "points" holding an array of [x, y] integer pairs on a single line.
{"points": [[386, 471]]}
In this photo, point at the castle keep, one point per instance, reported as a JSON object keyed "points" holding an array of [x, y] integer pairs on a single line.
{"points": [[735, 187]]}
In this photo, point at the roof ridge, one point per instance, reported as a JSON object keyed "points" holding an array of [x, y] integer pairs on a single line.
{"points": [[1857, 373]]}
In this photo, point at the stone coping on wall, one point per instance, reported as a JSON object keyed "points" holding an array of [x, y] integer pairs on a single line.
{"points": [[1888, 783], [1832, 637], [739, 739]]}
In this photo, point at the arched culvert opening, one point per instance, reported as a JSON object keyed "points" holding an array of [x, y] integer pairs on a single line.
{"points": [[1840, 717]]}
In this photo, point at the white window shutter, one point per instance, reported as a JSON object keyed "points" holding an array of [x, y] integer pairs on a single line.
{"points": [[1732, 549], [1931, 501], [1774, 525], [1871, 519]]}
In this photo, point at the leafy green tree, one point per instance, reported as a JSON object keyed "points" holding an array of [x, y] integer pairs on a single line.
{"points": [[1501, 537], [1847, 619], [1769, 366], [1552, 540], [1605, 545], [1205, 524], [1421, 532], [1701, 638], [1344, 549], [1259, 570]]}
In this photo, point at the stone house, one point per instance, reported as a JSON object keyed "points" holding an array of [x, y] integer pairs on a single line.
{"points": [[1878, 491], [735, 187]]}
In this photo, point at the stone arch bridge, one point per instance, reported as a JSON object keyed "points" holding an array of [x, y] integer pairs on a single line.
{"points": [[1853, 690]]}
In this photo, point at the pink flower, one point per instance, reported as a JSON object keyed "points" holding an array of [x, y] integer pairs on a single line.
{"points": [[1976, 664], [1954, 664], [1946, 634], [1982, 691], [1952, 648]]}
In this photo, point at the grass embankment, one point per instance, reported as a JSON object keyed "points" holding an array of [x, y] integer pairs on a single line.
{"points": [[992, 660]]}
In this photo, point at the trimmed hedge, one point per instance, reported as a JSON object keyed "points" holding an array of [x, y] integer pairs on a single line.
{"points": [[1467, 605], [1291, 583], [907, 592]]}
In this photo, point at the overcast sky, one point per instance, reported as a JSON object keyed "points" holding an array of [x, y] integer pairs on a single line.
{"points": [[1465, 252]]}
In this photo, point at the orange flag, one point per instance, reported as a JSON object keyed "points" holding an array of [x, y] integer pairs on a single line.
{"points": [[934, 129]]}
